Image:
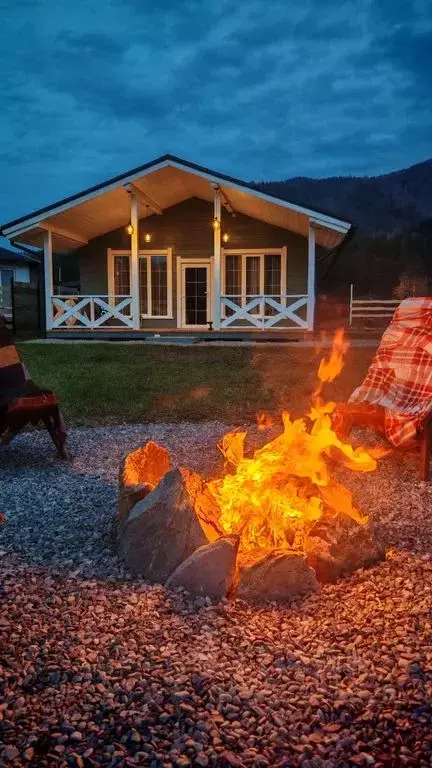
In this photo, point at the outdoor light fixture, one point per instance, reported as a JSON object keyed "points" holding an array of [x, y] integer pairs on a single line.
{"points": [[216, 224], [147, 237], [225, 237], [130, 229]]}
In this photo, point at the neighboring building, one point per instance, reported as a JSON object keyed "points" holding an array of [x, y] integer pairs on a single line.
{"points": [[175, 246], [15, 267], [18, 267]]}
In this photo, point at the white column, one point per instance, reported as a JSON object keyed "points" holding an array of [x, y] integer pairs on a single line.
{"points": [[217, 260], [311, 277], [48, 279], [134, 266]]}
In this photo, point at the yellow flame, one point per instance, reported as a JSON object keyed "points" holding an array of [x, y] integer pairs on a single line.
{"points": [[274, 498]]}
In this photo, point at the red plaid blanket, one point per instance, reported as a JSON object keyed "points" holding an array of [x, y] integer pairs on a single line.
{"points": [[400, 375]]}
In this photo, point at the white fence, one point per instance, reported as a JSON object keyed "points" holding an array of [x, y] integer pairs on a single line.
{"points": [[262, 311], [91, 311], [367, 309]]}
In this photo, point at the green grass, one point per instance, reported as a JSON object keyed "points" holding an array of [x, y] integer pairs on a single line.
{"points": [[111, 384]]}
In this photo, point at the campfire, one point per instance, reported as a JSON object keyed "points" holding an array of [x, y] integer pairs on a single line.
{"points": [[272, 525]]}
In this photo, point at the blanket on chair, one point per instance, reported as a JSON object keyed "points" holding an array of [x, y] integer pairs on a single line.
{"points": [[400, 375]]}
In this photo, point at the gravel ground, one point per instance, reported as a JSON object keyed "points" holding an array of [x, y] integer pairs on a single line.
{"points": [[99, 669]]}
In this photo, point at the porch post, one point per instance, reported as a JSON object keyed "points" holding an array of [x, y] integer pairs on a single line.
{"points": [[48, 279], [217, 259], [134, 265], [311, 277]]}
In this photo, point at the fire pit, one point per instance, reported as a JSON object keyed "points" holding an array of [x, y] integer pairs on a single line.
{"points": [[274, 525]]}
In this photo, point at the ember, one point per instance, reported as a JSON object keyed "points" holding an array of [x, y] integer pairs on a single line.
{"points": [[274, 499]]}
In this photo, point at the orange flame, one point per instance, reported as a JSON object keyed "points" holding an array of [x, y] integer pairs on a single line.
{"points": [[274, 498]]}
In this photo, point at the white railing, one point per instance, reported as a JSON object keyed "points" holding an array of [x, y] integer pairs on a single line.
{"points": [[262, 311], [371, 308], [91, 311]]}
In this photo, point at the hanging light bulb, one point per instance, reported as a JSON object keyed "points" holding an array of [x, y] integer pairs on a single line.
{"points": [[216, 224], [147, 237], [225, 237], [130, 229]]}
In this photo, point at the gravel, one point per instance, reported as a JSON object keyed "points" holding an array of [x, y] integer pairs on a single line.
{"points": [[99, 669]]}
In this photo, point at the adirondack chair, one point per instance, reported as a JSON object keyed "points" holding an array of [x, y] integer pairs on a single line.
{"points": [[21, 401], [395, 398]]}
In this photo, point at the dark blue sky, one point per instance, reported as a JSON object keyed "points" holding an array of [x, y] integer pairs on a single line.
{"points": [[260, 89]]}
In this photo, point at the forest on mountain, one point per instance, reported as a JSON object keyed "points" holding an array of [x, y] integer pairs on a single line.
{"points": [[392, 214]]}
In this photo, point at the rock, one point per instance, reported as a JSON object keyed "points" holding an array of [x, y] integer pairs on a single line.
{"points": [[168, 525], [140, 472], [277, 576], [341, 546], [209, 571]]}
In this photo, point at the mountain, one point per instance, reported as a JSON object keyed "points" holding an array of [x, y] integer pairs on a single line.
{"points": [[392, 245], [378, 205]]}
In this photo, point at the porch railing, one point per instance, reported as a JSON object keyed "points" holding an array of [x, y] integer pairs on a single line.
{"points": [[262, 311], [91, 311]]}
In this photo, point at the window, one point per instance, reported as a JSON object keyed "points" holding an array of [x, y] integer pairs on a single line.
{"points": [[154, 277], [121, 276], [250, 275], [6, 276]]}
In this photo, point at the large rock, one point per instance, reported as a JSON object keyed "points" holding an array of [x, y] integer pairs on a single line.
{"points": [[277, 576], [160, 531], [341, 546], [209, 571], [140, 472]]}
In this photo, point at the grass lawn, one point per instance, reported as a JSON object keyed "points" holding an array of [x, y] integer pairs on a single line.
{"points": [[111, 384]]}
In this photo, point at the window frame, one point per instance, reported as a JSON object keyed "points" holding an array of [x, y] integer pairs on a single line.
{"points": [[244, 253], [144, 254]]}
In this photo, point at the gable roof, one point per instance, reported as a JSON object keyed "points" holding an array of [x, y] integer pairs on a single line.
{"points": [[169, 180], [16, 257]]}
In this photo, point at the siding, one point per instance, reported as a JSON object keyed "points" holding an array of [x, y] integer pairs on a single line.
{"points": [[186, 228]]}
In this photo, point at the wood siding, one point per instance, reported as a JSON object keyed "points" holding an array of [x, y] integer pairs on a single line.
{"points": [[187, 229]]}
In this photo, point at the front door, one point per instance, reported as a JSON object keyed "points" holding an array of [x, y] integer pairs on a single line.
{"points": [[195, 295]]}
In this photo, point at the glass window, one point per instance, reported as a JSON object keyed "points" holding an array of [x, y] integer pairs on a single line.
{"points": [[248, 276], [121, 276], [253, 282], [159, 285], [272, 279], [143, 283], [153, 282], [6, 277]]}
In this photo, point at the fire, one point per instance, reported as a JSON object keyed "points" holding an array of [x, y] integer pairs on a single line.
{"points": [[275, 498]]}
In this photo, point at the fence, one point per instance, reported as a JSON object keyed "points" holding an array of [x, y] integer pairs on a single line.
{"points": [[371, 309], [21, 305]]}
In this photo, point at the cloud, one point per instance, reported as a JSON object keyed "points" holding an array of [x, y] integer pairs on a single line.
{"points": [[259, 89]]}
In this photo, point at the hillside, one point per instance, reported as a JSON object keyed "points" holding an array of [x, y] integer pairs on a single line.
{"points": [[378, 205], [393, 216]]}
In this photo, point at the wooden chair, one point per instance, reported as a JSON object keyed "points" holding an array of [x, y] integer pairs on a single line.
{"points": [[21, 401], [349, 415], [395, 398]]}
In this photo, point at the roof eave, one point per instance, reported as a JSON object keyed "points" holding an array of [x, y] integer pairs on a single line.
{"points": [[17, 226]]}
